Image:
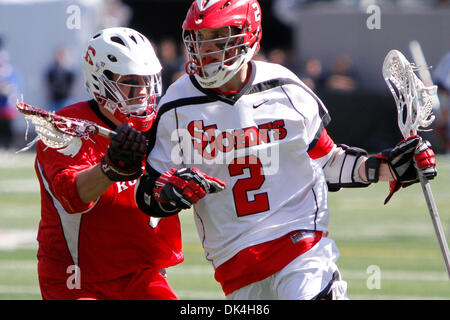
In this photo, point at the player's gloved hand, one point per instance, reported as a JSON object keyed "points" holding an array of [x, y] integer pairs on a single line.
{"points": [[404, 160], [425, 160], [125, 154], [184, 187], [423, 163]]}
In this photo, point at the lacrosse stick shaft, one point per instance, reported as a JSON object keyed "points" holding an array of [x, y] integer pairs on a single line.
{"points": [[426, 188], [106, 132]]}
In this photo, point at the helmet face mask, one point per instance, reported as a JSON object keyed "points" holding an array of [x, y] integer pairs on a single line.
{"points": [[123, 75], [131, 97], [221, 36], [224, 50]]}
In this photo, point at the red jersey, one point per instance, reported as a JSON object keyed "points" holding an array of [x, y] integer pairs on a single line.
{"points": [[107, 238]]}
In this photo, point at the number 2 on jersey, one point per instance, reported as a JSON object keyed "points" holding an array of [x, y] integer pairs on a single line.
{"points": [[243, 205]]}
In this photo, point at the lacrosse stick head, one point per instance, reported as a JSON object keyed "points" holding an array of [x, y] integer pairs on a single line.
{"points": [[413, 99], [53, 130]]}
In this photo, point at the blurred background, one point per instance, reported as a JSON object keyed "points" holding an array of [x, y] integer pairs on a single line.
{"points": [[336, 47]]}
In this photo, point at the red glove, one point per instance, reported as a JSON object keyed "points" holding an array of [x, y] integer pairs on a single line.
{"points": [[184, 187], [425, 160]]}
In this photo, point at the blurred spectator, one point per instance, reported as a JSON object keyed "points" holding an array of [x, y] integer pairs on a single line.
{"points": [[312, 74], [182, 60], [342, 78], [170, 61], [260, 56], [9, 92], [282, 56], [278, 56], [442, 79], [60, 78], [114, 13]]}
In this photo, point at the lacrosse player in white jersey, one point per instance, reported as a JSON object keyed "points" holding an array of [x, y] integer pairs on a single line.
{"points": [[255, 132]]}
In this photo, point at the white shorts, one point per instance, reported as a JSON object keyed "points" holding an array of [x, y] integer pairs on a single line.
{"points": [[302, 279]]}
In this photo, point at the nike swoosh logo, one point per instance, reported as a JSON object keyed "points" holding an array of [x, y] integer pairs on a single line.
{"points": [[259, 104]]}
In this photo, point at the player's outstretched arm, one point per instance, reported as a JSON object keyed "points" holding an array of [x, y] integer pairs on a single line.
{"points": [[166, 194], [349, 167]]}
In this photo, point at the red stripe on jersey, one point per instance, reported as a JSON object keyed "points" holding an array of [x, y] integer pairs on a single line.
{"points": [[260, 261], [322, 147]]}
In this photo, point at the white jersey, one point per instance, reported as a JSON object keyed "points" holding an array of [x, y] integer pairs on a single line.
{"points": [[257, 142]]}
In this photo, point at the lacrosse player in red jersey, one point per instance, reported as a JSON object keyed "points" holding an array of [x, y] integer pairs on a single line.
{"points": [[254, 128], [94, 242]]}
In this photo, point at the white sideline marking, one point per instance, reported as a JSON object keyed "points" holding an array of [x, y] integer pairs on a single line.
{"points": [[19, 185], [5, 289], [6, 265], [11, 160], [191, 270], [16, 238]]}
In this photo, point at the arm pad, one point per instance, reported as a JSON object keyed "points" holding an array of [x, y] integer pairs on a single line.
{"points": [[341, 170]]}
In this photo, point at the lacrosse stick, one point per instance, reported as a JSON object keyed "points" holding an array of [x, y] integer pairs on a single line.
{"points": [[423, 70], [414, 106], [57, 131]]}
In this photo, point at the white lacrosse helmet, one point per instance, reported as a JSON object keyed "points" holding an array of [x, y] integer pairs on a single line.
{"points": [[123, 51], [241, 15]]}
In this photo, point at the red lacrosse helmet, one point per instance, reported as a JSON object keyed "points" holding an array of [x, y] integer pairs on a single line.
{"points": [[243, 19]]}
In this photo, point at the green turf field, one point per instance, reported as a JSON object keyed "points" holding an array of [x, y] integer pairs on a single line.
{"points": [[387, 252]]}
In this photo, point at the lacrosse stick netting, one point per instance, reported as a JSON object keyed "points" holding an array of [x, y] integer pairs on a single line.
{"points": [[57, 131], [414, 103]]}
